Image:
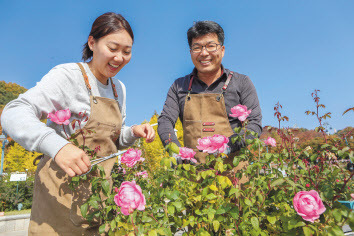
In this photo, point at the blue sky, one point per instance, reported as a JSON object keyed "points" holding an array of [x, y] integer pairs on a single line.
{"points": [[288, 48]]}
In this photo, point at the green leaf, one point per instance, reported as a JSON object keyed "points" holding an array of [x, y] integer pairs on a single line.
{"points": [[113, 224], [173, 160], [236, 161], [152, 233], [146, 219], [174, 148], [186, 166], [220, 211], [307, 231], [211, 196], [324, 146], [171, 210], [213, 187], [83, 209], [175, 194], [178, 205], [300, 163], [351, 219], [233, 190], [313, 157], [102, 228], [335, 230], [248, 202], [277, 182], [93, 203], [210, 215], [216, 225], [271, 219], [337, 215], [234, 212], [255, 223], [105, 187]]}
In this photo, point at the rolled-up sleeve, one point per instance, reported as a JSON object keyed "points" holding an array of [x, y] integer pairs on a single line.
{"points": [[169, 116], [249, 98]]}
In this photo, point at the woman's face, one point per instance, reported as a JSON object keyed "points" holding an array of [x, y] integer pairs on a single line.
{"points": [[110, 54]]}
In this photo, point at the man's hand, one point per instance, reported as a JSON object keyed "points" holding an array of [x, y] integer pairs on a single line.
{"points": [[73, 160], [144, 131]]}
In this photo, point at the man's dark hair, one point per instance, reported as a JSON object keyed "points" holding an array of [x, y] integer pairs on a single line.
{"points": [[105, 24], [201, 28]]}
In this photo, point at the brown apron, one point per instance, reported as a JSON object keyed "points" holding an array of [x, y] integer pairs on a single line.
{"points": [[205, 115], [55, 207]]}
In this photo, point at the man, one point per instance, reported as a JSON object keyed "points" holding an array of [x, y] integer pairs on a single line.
{"points": [[203, 99]]}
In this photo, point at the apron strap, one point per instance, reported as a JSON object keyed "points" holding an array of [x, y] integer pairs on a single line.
{"points": [[88, 86], [114, 89], [225, 86], [190, 88]]}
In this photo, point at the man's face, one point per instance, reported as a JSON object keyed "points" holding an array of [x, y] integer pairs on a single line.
{"points": [[207, 62]]}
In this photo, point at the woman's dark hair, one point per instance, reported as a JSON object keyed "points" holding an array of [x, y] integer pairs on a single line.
{"points": [[201, 28], [105, 24]]}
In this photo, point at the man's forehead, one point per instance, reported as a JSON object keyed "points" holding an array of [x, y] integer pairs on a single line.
{"points": [[207, 38]]}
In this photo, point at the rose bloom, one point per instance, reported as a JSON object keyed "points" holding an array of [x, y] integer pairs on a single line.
{"points": [[219, 143], [216, 143], [131, 157], [130, 197], [270, 141], [143, 174], [60, 117], [187, 154], [204, 144], [308, 205], [240, 112]]}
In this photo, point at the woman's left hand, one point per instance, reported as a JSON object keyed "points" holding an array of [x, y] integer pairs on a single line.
{"points": [[144, 131]]}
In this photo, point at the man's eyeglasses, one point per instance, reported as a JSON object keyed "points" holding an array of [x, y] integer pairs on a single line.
{"points": [[210, 47]]}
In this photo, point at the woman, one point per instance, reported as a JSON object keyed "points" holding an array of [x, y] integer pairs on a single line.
{"points": [[84, 88]]}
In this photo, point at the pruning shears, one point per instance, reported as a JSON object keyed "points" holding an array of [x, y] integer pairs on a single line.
{"points": [[102, 159]]}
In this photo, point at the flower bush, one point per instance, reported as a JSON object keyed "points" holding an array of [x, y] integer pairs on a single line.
{"points": [[289, 190]]}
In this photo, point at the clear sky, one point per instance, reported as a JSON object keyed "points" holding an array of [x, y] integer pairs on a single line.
{"points": [[288, 48]]}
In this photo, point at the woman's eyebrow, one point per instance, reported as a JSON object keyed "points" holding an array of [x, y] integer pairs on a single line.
{"points": [[117, 44]]}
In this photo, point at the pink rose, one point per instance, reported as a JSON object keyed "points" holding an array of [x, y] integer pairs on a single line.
{"points": [[60, 117], [240, 112], [204, 144], [143, 174], [187, 154], [130, 197], [131, 157], [308, 205], [219, 143], [270, 141], [216, 143]]}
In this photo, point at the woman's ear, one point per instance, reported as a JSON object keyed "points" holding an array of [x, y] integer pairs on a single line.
{"points": [[91, 42]]}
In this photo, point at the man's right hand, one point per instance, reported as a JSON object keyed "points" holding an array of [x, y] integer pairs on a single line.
{"points": [[73, 160]]}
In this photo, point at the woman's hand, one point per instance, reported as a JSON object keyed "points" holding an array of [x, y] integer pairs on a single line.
{"points": [[73, 160], [144, 131]]}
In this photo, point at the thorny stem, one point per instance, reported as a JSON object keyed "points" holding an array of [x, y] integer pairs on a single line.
{"points": [[67, 136], [135, 229], [83, 136]]}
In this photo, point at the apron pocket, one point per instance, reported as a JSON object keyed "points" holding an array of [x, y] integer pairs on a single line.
{"points": [[80, 196]]}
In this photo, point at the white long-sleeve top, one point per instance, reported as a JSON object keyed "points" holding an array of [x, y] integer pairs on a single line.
{"points": [[63, 87]]}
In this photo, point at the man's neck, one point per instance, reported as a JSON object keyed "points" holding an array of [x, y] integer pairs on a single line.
{"points": [[210, 77]]}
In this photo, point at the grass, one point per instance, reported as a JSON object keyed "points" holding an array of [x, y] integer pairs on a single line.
{"points": [[11, 213]]}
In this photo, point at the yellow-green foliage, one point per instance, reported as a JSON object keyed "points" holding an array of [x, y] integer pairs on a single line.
{"points": [[19, 159], [154, 151]]}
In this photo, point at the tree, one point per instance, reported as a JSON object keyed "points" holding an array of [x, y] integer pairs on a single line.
{"points": [[154, 151], [19, 159]]}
